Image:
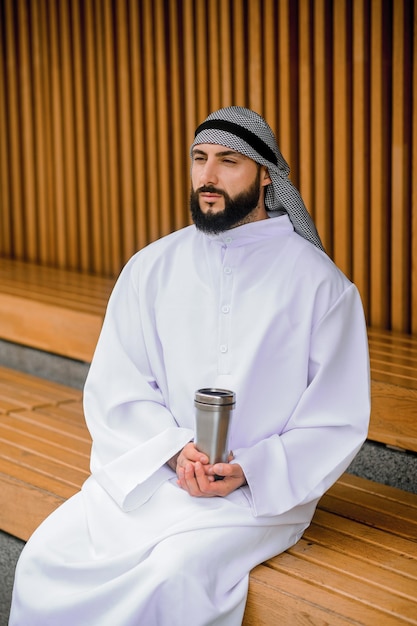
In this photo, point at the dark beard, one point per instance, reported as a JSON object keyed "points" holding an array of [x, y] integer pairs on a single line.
{"points": [[235, 209]]}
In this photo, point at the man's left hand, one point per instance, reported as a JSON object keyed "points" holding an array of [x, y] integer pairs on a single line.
{"points": [[199, 481]]}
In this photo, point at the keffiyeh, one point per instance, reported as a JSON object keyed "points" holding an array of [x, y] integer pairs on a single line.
{"points": [[247, 132]]}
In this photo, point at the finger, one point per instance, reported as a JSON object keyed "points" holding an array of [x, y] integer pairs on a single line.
{"points": [[191, 453], [202, 479], [190, 481], [222, 470]]}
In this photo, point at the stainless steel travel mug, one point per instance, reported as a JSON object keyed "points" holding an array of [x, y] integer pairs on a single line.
{"points": [[214, 409]]}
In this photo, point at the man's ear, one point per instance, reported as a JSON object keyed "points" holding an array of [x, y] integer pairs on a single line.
{"points": [[265, 177]]}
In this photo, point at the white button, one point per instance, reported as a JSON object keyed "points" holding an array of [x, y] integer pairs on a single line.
{"points": [[227, 270], [223, 348], [225, 308], [228, 240]]}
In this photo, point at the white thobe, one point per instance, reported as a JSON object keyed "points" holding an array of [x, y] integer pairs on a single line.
{"points": [[257, 310]]}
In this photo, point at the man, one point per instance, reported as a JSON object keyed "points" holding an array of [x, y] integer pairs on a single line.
{"points": [[247, 300]]}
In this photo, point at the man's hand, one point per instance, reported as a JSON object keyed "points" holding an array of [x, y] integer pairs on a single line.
{"points": [[198, 477]]}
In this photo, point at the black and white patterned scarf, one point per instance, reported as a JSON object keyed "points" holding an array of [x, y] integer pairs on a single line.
{"points": [[247, 132]]}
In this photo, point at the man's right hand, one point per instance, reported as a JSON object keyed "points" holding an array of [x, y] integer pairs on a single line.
{"points": [[188, 454]]}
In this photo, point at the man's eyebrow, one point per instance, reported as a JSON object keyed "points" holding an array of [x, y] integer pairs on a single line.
{"points": [[222, 153]]}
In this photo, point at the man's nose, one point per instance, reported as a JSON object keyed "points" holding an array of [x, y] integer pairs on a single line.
{"points": [[208, 174]]}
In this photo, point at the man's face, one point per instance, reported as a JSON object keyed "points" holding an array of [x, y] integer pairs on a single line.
{"points": [[226, 188]]}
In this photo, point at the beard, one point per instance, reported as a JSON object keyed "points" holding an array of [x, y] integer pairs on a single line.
{"points": [[235, 211]]}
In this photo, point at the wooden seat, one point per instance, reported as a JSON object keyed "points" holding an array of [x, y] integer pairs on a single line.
{"points": [[44, 449], [59, 311], [357, 563]]}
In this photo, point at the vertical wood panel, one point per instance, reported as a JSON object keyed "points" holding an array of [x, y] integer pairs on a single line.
{"points": [[41, 153], [255, 37], [270, 56], [14, 131], [306, 116], [322, 206], [82, 204], [360, 149], [226, 73], [124, 124], [413, 194], [342, 173], [99, 100], [287, 124], [6, 231], [107, 236], [57, 218], [138, 122], [379, 159], [400, 170], [27, 170], [239, 52], [70, 221]]}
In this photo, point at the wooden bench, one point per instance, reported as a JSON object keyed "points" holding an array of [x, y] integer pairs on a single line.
{"points": [[55, 310], [356, 564]]}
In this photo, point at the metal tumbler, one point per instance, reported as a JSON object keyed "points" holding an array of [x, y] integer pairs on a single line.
{"points": [[214, 409]]}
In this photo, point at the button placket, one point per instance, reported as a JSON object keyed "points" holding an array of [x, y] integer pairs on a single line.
{"points": [[224, 315]]}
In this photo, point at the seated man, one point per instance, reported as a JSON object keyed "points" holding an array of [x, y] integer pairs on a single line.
{"points": [[247, 300]]}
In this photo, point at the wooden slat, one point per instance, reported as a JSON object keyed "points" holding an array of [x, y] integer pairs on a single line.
{"points": [[341, 136], [360, 139], [179, 153], [287, 597], [306, 128], [69, 333], [379, 259], [54, 310], [6, 244], [138, 131], [31, 505], [125, 124], [322, 143], [287, 122], [27, 391], [81, 156], [394, 416], [413, 178], [11, 89], [42, 427], [254, 59], [28, 129], [357, 597], [399, 553], [368, 510], [400, 172], [239, 53], [57, 144]]}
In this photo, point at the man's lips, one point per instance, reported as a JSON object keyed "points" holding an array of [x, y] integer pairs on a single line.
{"points": [[210, 195]]}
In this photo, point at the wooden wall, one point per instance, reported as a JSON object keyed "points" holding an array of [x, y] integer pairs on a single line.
{"points": [[99, 100]]}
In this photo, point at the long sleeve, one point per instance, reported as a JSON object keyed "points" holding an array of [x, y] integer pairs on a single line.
{"points": [[329, 422], [133, 431]]}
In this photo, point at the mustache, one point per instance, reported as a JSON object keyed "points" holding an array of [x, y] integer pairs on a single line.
{"points": [[210, 189]]}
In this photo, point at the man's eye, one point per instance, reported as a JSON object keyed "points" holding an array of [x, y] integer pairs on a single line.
{"points": [[229, 161], [198, 158]]}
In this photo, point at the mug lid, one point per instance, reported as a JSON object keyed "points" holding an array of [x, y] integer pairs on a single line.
{"points": [[213, 395]]}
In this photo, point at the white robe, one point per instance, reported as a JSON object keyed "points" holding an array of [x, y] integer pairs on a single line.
{"points": [[257, 310]]}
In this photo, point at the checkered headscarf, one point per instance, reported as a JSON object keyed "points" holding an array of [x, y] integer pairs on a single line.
{"points": [[247, 132]]}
